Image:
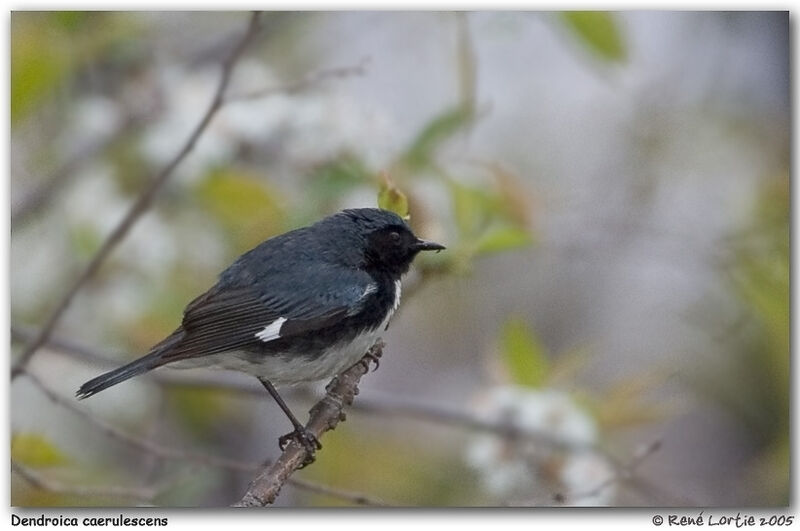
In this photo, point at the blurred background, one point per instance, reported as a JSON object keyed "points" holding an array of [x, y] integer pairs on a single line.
{"points": [[609, 324]]}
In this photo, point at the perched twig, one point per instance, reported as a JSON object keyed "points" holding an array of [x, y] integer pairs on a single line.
{"points": [[42, 482], [307, 81], [41, 196], [325, 415], [142, 203]]}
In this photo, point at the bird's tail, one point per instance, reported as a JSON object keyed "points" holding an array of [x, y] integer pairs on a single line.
{"points": [[152, 360]]}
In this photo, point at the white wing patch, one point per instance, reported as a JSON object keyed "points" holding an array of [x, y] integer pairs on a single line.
{"points": [[272, 330]]}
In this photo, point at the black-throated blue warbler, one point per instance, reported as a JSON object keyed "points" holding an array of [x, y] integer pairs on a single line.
{"points": [[299, 307]]}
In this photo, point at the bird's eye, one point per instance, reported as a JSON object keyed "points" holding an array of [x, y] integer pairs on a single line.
{"points": [[394, 237]]}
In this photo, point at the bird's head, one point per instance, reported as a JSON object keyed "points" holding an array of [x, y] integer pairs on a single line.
{"points": [[386, 241]]}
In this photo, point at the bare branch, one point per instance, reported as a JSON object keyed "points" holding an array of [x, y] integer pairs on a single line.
{"points": [[324, 416], [356, 498], [134, 441], [163, 376], [304, 83], [143, 202], [41, 196], [389, 405], [42, 482], [622, 472], [66, 347]]}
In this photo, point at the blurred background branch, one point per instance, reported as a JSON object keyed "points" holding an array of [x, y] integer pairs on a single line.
{"points": [[72, 489], [38, 199]]}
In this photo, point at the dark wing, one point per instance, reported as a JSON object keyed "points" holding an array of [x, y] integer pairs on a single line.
{"points": [[232, 316]]}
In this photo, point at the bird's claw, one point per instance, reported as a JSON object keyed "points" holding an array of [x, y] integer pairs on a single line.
{"points": [[371, 356], [306, 439]]}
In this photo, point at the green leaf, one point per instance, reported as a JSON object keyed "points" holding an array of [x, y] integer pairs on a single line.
{"points": [[419, 155], [49, 47], [502, 239], [391, 198], [524, 354], [472, 209], [38, 62], [337, 176], [598, 31], [245, 204], [85, 239], [34, 450], [72, 21]]}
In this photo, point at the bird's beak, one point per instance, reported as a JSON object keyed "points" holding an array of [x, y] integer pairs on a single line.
{"points": [[422, 245]]}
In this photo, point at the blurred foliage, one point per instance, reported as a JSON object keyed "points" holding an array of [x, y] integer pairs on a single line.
{"points": [[85, 240], [410, 474], [753, 379], [391, 198], [331, 179], [244, 203], [131, 169], [598, 31], [524, 354], [163, 310], [487, 219], [35, 450], [47, 48], [200, 409], [420, 155], [624, 404], [620, 405]]}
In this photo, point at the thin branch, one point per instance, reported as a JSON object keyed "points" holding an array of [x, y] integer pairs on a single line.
{"points": [[42, 482], [143, 202], [355, 498], [622, 472], [66, 347], [163, 376], [151, 463], [324, 416], [388, 405], [307, 81], [134, 441], [43, 194]]}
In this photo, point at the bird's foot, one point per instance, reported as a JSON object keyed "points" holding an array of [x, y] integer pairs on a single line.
{"points": [[306, 439], [371, 356]]}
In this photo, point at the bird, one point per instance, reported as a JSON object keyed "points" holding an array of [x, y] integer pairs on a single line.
{"points": [[299, 307]]}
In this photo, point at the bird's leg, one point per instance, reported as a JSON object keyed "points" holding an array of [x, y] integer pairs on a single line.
{"points": [[300, 433]]}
